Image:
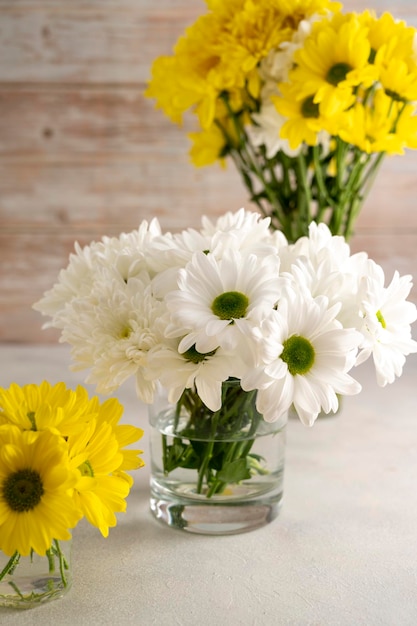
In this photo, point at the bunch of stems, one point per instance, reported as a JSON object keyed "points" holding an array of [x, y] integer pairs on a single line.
{"points": [[322, 185], [216, 444]]}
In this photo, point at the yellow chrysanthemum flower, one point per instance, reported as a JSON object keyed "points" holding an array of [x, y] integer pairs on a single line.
{"points": [[221, 51], [111, 412], [333, 62], [207, 147], [388, 37], [45, 407], [97, 454], [36, 505], [373, 126]]}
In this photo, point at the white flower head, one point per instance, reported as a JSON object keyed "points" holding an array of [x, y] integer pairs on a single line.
{"points": [[267, 131], [387, 318], [307, 357], [125, 255], [188, 370], [111, 332], [219, 301]]}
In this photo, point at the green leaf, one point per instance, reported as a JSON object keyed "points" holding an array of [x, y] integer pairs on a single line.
{"points": [[234, 472]]}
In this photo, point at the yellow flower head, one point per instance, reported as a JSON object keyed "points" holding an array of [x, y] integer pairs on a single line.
{"points": [[221, 51], [36, 505], [373, 126], [99, 457], [45, 407], [90, 452], [208, 146], [304, 121], [388, 37], [333, 62]]}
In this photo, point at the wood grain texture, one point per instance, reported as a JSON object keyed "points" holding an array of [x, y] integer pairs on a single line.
{"points": [[84, 154]]}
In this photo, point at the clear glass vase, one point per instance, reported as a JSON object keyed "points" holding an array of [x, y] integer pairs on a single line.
{"points": [[215, 472], [26, 581]]}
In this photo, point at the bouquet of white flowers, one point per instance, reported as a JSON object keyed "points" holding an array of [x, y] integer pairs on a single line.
{"points": [[232, 301]]}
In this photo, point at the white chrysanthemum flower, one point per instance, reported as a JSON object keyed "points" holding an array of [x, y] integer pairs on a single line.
{"points": [[126, 254], [275, 67], [387, 316], [307, 358], [248, 228], [323, 264], [112, 331], [219, 301], [243, 231], [205, 372]]}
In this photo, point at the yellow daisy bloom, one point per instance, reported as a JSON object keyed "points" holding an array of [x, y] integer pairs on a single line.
{"points": [[111, 412], [388, 37], [373, 127], [304, 121], [36, 505], [97, 455], [333, 62], [45, 407]]}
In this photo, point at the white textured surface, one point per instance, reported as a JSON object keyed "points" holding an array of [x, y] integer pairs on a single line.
{"points": [[343, 551]]}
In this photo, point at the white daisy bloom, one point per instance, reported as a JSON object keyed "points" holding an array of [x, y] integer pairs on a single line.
{"points": [[191, 369], [307, 357], [387, 316], [219, 301]]}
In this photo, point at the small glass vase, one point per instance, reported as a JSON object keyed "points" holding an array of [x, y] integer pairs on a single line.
{"points": [[27, 581], [215, 473]]}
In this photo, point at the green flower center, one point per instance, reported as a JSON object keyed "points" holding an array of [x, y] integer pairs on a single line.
{"points": [[86, 469], [381, 319], [195, 356], [337, 73], [23, 490], [230, 305], [31, 417], [309, 108], [395, 96], [298, 354]]}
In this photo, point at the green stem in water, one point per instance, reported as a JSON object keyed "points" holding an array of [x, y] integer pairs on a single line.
{"points": [[63, 563], [11, 565]]}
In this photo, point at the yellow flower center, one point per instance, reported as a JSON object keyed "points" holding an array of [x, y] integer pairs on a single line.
{"points": [[23, 490]]}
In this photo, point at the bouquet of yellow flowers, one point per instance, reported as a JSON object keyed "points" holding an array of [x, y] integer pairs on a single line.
{"points": [[63, 457], [305, 99]]}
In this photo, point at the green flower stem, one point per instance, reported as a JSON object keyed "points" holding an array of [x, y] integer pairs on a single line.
{"points": [[246, 160], [63, 563], [211, 443], [304, 196], [10, 565], [51, 554]]}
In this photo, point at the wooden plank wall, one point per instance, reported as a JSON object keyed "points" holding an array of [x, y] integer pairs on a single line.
{"points": [[84, 154]]}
